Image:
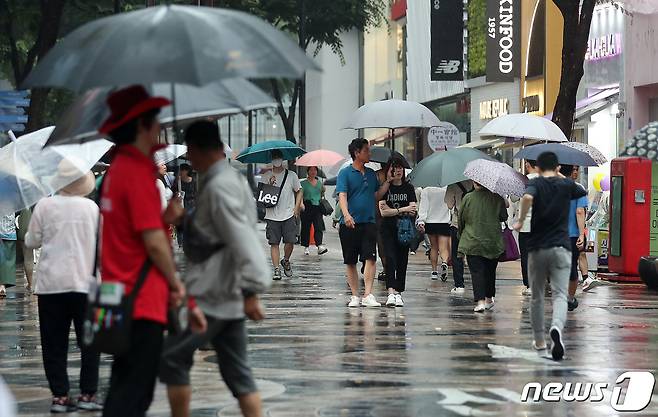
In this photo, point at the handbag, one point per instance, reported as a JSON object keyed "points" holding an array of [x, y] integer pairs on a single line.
{"points": [[108, 322], [325, 207], [511, 248], [195, 246], [269, 195], [406, 230]]}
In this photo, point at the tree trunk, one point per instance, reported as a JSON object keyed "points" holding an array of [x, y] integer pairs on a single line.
{"points": [[36, 114], [287, 118], [576, 30]]}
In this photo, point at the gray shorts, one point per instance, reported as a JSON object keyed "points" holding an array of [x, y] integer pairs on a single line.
{"points": [[286, 230], [228, 337]]}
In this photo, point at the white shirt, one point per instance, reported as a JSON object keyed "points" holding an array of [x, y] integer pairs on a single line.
{"points": [[528, 218], [285, 209], [433, 208], [165, 193], [65, 229]]}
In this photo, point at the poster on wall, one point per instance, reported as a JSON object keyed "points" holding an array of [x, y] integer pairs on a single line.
{"points": [[447, 40], [443, 137], [503, 40]]}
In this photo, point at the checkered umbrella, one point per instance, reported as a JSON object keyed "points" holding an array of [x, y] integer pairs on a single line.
{"points": [[496, 177]]}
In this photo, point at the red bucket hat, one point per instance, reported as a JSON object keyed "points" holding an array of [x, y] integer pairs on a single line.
{"points": [[127, 104]]}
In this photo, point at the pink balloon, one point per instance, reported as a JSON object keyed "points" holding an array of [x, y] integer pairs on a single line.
{"points": [[605, 183]]}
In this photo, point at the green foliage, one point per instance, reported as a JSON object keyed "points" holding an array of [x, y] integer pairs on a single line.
{"points": [[477, 38]]}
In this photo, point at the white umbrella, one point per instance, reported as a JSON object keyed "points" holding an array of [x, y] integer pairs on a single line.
{"points": [[497, 177], [29, 172], [169, 153], [596, 154], [392, 114], [525, 126]]}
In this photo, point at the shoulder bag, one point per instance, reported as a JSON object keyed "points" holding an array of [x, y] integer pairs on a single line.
{"points": [[269, 195], [511, 249]]}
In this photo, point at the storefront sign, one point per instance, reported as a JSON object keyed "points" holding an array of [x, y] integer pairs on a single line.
{"points": [[503, 40], [491, 109], [447, 40], [443, 137], [531, 104], [603, 47]]}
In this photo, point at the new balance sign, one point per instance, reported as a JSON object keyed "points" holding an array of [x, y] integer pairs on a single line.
{"points": [[447, 40]]}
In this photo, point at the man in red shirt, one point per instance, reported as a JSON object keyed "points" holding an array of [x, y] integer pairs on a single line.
{"points": [[133, 231]]}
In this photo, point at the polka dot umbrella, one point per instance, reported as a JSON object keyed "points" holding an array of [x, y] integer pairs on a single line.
{"points": [[644, 143]]}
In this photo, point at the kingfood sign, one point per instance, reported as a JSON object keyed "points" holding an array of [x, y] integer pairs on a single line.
{"points": [[503, 40]]}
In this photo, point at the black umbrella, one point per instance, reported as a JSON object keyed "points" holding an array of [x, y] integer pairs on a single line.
{"points": [[80, 122], [565, 154], [382, 155], [171, 44]]}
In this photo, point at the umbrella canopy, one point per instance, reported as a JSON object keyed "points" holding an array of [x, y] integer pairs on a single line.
{"points": [[565, 155], [28, 172], [392, 114], [382, 155], [596, 154], [644, 143], [497, 177], [525, 126], [179, 44], [445, 168], [261, 153], [82, 119], [334, 170], [169, 153], [320, 158]]}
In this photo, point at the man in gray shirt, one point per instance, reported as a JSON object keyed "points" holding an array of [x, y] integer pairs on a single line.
{"points": [[226, 269]]}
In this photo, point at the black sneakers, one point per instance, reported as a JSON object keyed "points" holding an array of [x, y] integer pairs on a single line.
{"points": [[558, 347], [572, 304]]}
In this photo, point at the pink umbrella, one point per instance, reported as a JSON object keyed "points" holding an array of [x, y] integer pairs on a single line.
{"points": [[320, 158]]}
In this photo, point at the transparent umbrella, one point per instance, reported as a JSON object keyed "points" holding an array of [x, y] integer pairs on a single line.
{"points": [[28, 172]]}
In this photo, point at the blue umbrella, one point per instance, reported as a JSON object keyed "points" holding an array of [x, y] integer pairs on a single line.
{"points": [[565, 154], [261, 153]]}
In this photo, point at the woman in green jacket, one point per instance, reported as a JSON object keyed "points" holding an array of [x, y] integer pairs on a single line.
{"points": [[481, 241]]}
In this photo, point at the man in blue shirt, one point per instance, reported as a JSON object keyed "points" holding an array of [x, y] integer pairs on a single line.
{"points": [[576, 234], [358, 192]]}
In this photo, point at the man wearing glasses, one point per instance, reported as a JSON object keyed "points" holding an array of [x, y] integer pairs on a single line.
{"points": [[359, 190]]}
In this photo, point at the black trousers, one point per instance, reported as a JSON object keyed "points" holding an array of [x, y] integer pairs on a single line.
{"points": [[483, 275], [56, 312], [134, 373], [523, 249], [457, 262], [397, 259], [312, 215]]}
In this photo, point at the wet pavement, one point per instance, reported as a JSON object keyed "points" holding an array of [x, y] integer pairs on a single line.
{"points": [[435, 357]]}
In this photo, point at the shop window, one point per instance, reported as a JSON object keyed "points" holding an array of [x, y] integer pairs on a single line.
{"points": [[536, 52]]}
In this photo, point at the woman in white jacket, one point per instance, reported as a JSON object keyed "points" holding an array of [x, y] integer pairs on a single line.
{"points": [[64, 227], [434, 220]]}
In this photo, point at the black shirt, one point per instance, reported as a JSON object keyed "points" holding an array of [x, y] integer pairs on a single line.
{"points": [[550, 211], [189, 188], [397, 197]]}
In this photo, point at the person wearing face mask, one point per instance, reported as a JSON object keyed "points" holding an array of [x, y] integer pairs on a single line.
{"points": [[282, 218]]}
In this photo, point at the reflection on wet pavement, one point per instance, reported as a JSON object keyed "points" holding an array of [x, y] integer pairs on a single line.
{"points": [[315, 357]]}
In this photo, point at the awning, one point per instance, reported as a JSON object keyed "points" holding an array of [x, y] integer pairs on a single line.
{"points": [[594, 103]]}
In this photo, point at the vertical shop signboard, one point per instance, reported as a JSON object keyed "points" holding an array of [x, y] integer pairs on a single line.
{"points": [[503, 40], [447, 40]]}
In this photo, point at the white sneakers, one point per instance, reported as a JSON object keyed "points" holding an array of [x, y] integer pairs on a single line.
{"points": [[370, 301], [526, 291], [399, 302], [435, 275], [457, 290], [479, 308], [390, 301], [354, 301], [306, 252], [490, 305]]}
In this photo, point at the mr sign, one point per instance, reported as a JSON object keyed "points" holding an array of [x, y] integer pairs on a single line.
{"points": [[442, 137]]}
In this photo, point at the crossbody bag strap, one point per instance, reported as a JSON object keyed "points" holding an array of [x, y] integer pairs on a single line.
{"points": [[141, 278], [94, 272], [285, 177]]}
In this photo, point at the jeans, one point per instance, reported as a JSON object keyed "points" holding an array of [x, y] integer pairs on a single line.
{"points": [[312, 215], [56, 312], [483, 275], [544, 264], [397, 259], [523, 249], [457, 262], [133, 374]]}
